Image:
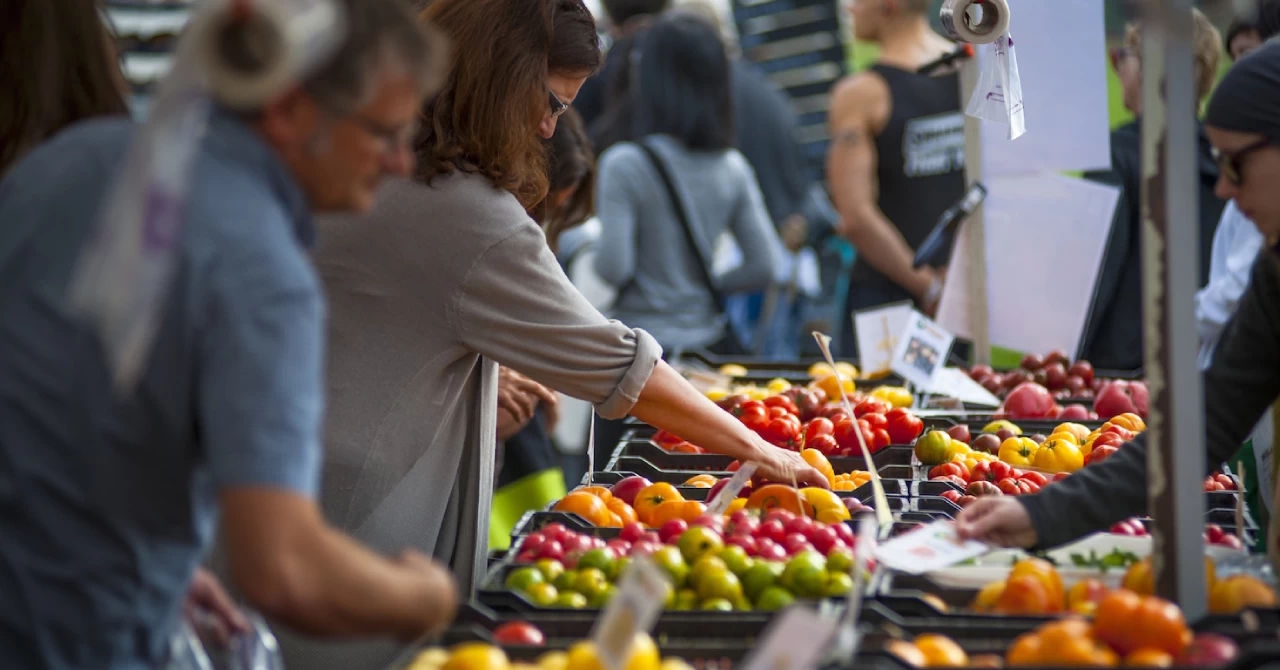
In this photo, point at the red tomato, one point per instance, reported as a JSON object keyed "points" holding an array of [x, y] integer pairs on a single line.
{"points": [[776, 412], [1227, 483], [1030, 486], [1059, 477], [844, 434], [952, 495], [1008, 486], [1099, 454], [992, 471], [663, 438], [871, 406], [1034, 478], [781, 430], [755, 421], [818, 426], [876, 420], [782, 401], [958, 481], [948, 469], [903, 426], [824, 443], [882, 440]]}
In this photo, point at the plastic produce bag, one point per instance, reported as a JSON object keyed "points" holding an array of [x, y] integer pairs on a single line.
{"points": [[255, 650], [998, 95]]}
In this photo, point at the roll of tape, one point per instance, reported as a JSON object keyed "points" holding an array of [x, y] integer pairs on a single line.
{"points": [[975, 21], [249, 59]]}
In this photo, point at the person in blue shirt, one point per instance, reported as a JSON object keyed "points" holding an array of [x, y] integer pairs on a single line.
{"points": [[108, 502]]}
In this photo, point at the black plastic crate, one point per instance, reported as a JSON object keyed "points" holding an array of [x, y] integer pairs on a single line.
{"points": [[632, 465], [716, 463]]}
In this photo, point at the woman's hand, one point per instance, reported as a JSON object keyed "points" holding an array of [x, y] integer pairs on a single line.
{"points": [[783, 466], [998, 520], [208, 603], [519, 396]]}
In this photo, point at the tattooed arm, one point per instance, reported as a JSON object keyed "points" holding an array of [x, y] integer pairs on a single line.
{"points": [[860, 108]]}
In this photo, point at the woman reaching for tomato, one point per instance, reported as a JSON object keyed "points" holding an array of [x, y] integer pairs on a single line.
{"points": [[448, 277], [1244, 377]]}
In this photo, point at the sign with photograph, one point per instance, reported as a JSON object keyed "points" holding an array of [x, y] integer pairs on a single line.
{"points": [[922, 350]]}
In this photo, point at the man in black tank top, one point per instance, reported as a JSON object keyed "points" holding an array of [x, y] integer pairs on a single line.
{"points": [[897, 157]]}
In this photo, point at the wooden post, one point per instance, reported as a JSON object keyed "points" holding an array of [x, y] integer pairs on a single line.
{"points": [[979, 317], [1170, 262]]}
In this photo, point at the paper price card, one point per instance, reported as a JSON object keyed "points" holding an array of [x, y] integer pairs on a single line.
{"points": [[731, 490], [929, 548], [877, 332], [635, 609], [796, 640], [922, 350]]}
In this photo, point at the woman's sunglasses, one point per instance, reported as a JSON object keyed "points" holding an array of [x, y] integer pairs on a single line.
{"points": [[1231, 164]]}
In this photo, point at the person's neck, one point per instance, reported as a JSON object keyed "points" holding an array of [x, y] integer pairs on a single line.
{"points": [[909, 43]]}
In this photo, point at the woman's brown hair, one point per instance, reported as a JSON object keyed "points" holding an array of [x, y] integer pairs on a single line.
{"points": [[571, 165], [484, 120], [57, 66]]}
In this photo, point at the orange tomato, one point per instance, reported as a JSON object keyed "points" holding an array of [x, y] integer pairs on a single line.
{"points": [[1086, 591], [669, 510], [1129, 622], [597, 491], [779, 495], [1045, 572], [1023, 595], [907, 652], [701, 481], [845, 485], [820, 463], [626, 513], [1025, 651], [987, 598], [650, 497], [686, 448], [1072, 646], [1149, 658], [1240, 592], [585, 505], [614, 521], [941, 651], [692, 510], [1130, 421], [1140, 579]]}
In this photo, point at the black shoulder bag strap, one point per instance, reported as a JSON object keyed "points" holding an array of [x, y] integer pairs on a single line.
{"points": [[682, 215]]}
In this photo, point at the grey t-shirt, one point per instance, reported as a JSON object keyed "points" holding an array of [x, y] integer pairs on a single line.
{"points": [[643, 251], [428, 294], [107, 502]]}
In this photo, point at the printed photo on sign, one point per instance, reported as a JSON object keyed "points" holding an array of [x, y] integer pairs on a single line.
{"points": [[922, 351]]}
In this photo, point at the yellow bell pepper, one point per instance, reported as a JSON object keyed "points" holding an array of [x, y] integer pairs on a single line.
{"points": [[894, 395], [1058, 455], [1018, 451]]}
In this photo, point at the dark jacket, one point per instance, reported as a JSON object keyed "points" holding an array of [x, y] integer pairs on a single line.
{"points": [[1113, 335], [1242, 382]]}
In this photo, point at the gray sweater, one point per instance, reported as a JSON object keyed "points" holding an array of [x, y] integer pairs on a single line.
{"points": [[428, 294], [643, 251], [1243, 380]]}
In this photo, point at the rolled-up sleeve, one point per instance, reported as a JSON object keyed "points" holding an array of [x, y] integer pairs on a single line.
{"points": [[261, 372], [517, 307]]}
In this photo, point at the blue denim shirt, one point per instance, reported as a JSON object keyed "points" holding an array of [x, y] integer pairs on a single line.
{"points": [[107, 503]]}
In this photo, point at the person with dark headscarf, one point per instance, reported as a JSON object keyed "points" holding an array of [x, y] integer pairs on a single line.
{"points": [[1244, 377]]}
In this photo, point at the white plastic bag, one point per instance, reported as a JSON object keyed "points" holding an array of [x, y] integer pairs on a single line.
{"points": [[998, 95]]}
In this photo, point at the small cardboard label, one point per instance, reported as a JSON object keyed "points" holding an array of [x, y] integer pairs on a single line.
{"points": [[796, 640], [731, 490], [877, 332], [641, 595]]}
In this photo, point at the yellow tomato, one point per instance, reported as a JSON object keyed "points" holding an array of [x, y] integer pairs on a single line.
{"points": [[1018, 451], [778, 385], [1080, 431], [735, 505], [1057, 455], [476, 656], [960, 448], [1069, 437], [430, 659], [717, 393], [831, 386], [846, 369], [818, 370], [822, 499], [553, 660], [732, 370], [894, 395]]}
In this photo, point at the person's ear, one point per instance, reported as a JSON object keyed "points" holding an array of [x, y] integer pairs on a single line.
{"points": [[290, 118]]}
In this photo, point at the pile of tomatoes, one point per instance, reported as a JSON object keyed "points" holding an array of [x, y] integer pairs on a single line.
{"points": [[800, 418], [1219, 482], [989, 478]]}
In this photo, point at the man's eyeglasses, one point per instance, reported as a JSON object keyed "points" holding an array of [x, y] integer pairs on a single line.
{"points": [[393, 139], [557, 105], [1232, 163]]}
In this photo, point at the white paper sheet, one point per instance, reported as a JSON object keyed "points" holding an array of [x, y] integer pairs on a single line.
{"points": [[877, 331], [1045, 240], [1062, 62]]}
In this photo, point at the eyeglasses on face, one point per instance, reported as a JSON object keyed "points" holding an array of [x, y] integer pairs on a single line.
{"points": [[1231, 163], [557, 105]]}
